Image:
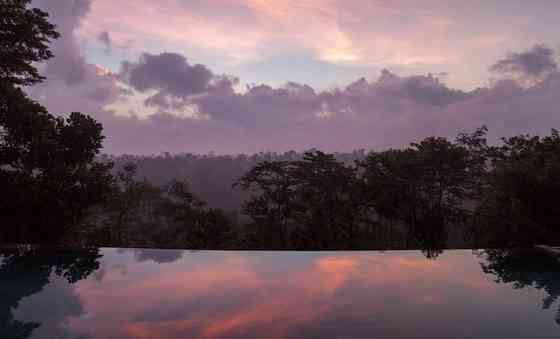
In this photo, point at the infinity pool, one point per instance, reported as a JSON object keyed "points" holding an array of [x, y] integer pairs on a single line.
{"points": [[137, 293]]}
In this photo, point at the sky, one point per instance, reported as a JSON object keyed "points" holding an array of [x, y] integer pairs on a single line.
{"points": [[244, 76]]}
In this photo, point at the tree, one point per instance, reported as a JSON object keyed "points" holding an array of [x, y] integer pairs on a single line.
{"points": [[331, 211], [519, 206], [272, 207], [426, 186], [314, 202], [24, 37], [48, 171], [127, 216], [192, 224]]}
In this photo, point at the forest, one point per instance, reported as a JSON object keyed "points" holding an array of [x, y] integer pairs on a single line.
{"points": [[59, 189]]}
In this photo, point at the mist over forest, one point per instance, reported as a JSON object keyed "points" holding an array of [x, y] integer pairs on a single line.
{"points": [[210, 176]]}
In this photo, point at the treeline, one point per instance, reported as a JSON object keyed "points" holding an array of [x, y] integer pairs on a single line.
{"points": [[432, 194], [210, 176]]}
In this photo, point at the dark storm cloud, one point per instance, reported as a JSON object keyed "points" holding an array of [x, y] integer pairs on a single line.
{"points": [[534, 63]]}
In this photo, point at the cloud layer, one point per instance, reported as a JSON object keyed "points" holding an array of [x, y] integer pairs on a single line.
{"points": [[534, 64], [258, 40], [162, 102]]}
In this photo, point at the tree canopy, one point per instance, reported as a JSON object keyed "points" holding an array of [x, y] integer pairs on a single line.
{"points": [[519, 206], [48, 171], [25, 34]]}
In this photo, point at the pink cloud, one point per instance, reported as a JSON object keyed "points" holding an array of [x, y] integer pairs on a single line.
{"points": [[358, 32]]}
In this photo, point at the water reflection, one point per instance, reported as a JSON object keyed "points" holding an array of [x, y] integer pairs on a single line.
{"points": [[25, 272], [164, 294], [158, 256], [526, 269]]}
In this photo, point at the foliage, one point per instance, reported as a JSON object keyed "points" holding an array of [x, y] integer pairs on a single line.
{"points": [[129, 200], [519, 207], [415, 197], [272, 209], [47, 168], [195, 225], [47, 164], [24, 37], [140, 214], [309, 203], [426, 186], [331, 205], [210, 176]]}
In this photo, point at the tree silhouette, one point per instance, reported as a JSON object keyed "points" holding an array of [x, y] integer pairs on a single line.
{"points": [[311, 203], [193, 224], [140, 214], [128, 209], [24, 37], [47, 164], [330, 203], [519, 207], [425, 186], [273, 207]]}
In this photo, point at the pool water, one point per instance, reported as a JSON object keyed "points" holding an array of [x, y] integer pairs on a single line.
{"points": [[140, 293]]}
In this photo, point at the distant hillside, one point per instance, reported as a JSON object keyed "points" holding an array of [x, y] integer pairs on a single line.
{"points": [[209, 176]]}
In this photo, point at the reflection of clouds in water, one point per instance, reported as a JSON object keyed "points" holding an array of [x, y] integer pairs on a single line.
{"points": [[295, 295], [155, 255], [52, 307], [285, 295], [158, 256], [100, 273]]}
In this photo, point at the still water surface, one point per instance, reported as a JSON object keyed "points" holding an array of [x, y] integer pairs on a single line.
{"points": [[137, 293]]}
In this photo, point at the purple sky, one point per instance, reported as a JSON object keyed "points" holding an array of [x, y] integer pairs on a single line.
{"points": [[250, 75]]}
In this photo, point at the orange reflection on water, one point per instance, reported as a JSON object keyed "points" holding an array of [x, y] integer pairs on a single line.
{"points": [[244, 295]]}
